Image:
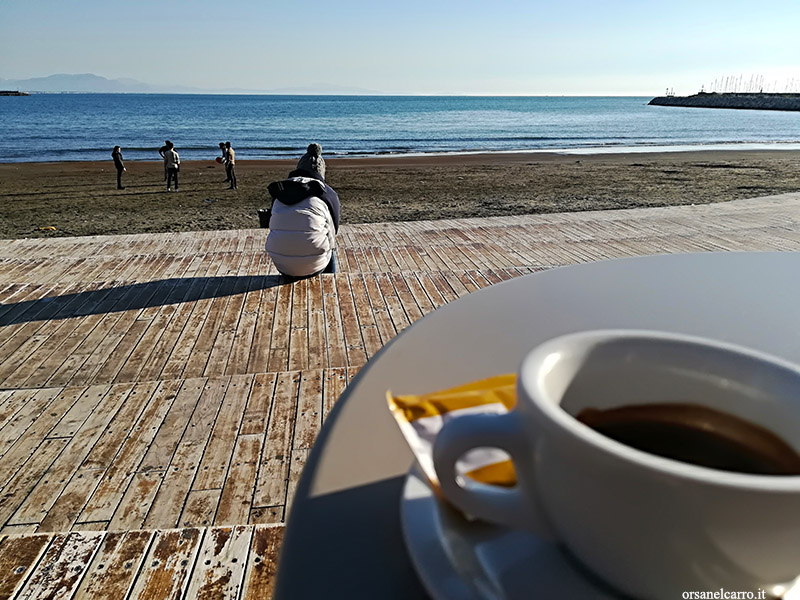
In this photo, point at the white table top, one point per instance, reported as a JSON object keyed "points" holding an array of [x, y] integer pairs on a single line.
{"points": [[344, 523]]}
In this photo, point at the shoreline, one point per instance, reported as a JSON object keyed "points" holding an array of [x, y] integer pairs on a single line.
{"points": [[577, 151], [80, 197]]}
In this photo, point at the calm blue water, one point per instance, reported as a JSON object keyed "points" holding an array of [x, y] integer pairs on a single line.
{"points": [[54, 127]]}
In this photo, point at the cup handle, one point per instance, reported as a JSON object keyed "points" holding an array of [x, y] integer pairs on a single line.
{"points": [[516, 507]]}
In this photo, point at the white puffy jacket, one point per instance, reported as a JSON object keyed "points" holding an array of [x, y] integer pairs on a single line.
{"points": [[302, 237]]}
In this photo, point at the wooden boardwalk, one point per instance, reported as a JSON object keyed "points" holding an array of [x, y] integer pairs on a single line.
{"points": [[159, 393]]}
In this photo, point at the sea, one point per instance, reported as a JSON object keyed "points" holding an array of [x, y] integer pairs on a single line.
{"points": [[84, 127]]}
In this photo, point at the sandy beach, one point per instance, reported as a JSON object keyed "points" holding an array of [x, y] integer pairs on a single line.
{"points": [[80, 198]]}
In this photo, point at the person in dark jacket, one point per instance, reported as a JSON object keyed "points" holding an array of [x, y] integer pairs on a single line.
{"points": [[173, 162], [116, 154], [230, 164], [161, 152], [224, 156], [303, 225]]}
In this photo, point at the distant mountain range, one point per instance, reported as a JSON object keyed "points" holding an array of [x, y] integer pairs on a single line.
{"points": [[89, 83]]}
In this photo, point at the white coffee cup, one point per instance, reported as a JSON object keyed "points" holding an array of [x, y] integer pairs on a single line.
{"points": [[651, 526]]}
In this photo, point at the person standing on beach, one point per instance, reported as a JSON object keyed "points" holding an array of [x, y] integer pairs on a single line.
{"points": [[230, 165], [116, 154], [224, 158], [303, 224], [172, 162], [161, 152]]}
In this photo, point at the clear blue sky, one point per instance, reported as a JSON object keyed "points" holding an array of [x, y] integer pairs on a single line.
{"points": [[572, 47]]}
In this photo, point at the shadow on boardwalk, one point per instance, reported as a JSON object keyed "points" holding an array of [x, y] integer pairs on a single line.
{"points": [[132, 297]]}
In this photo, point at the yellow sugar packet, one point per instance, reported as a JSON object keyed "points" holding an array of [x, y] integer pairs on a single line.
{"points": [[420, 419]]}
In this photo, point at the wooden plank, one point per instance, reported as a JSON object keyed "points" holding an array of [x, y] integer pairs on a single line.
{"points": [[258, 361], [82, 365], [177, 362], [452, 279], [77, 414], [116, 360], [136, 502], [237, 493], [246, 329], [165, 572], [418, 292], [182, 468], [159, 453], [317, 351], [19, 530], [308, 416], [217, 455], [221, 350], [431, 290], [143, 350], [15, 356], [335, 383], [27, 430], [204, 344], [43, 496], [200, 508], [125, 421], [307, 423], [380, 311], [267, 515], [298, 333], [398, 315], [57, 343], [334, 332], [104, 501], [219, 573], [115, 565], [279, 342], [369, 331], [26, 318], [18, 557], [406, 297], [22, 410], [9, 407], [262, 563], [444, 288], [67, 506], [256, 414], [466, 281], [354, 345], [63, 566], [273, 473], [55, 352], [25, 479]]}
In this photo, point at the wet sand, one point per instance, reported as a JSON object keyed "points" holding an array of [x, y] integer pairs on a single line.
{"points": [[80, 198]]}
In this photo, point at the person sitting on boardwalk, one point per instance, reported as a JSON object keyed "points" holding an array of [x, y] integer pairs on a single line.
{"points": [[312, 160], [303, 225], [172, 162], [116, 154]]}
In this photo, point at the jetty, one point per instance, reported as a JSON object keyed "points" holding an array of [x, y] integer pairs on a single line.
{"points": [[748, 101], [160, 392]]}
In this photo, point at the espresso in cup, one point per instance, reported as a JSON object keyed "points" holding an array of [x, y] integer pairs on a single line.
{"points": [[698, 435], [650, 527]]}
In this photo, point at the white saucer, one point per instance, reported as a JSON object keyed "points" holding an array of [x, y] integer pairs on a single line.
{"points": [[474, 560]]}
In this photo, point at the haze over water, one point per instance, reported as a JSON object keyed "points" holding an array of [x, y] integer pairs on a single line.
{"points": [[77, 127]]}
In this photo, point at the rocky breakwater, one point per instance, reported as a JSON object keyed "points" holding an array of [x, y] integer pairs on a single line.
{"points": [[744, 101]]}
